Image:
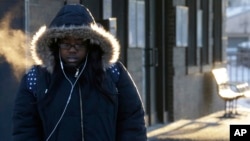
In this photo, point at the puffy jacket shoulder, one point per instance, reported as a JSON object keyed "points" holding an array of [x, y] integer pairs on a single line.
{"points": [[114, 72], [37, 76]]}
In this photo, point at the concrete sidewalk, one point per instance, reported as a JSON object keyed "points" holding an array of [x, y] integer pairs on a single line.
{"points": [[209, 128]]}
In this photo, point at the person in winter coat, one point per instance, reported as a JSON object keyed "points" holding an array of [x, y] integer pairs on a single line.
{"points": [[78, 90]]}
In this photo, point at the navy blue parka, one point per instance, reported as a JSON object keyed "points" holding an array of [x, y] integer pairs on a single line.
{"points": [[50, 106]]}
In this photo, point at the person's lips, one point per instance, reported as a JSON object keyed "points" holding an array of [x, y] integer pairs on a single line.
{"points": [[72, 59]]}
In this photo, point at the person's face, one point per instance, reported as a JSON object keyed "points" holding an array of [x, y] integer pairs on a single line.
{"points": [[72, 51]]}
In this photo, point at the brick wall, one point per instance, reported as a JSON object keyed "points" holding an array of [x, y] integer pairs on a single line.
{"points": [[194, 93]]}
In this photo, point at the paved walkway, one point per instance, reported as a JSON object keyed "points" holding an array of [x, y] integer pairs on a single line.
{"points": [[209, 128]]}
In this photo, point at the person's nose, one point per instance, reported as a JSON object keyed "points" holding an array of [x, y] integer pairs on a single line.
{"points": [[72, 48]]}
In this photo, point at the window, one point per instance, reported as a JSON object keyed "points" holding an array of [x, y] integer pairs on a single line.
{"points": [[136, 23], [107, 9], [181, 26]]}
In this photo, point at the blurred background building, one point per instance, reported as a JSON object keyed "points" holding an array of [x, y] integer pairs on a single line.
{"points": [[238, 34], [169, 47]]}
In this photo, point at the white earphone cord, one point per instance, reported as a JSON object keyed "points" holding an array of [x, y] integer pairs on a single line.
{"points": [[71, 91]]}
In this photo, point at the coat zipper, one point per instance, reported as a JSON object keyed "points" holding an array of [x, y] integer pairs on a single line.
{"points": [[81, 111]]}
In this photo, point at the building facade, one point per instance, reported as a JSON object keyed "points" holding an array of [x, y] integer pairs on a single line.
{"points": [[168, 46]]}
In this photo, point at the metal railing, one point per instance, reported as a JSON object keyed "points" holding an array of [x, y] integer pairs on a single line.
{"points": [[238, 65]]}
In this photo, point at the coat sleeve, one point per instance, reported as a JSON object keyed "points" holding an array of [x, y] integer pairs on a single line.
{"points": [[26, 122], [130, 118]]}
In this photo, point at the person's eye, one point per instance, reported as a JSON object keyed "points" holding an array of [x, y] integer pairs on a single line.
{"points": [[78, 45], [64, 45]]}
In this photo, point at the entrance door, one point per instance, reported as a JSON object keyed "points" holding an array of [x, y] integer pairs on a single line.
{"points": [[146, 56], [151, 63], [137, 46], [155, 62], [142, 44]]}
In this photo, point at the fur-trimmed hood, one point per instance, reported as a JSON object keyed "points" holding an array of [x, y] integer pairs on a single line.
{"points": [[77, 21]]}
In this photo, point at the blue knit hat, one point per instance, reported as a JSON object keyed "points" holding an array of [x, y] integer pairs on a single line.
{"points": [[77, 17]]}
